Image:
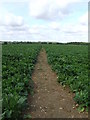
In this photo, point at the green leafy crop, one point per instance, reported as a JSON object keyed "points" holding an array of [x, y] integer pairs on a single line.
{"points": [[70, 62], [18, 62]]}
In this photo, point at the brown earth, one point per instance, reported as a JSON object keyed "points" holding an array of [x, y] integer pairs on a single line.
{"points": [[50, 100]]}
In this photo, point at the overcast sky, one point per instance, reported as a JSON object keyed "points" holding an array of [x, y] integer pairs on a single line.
{"points": [[44, 20]]}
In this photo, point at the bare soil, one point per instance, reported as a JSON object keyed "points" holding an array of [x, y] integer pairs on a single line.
{"points": [[50, 99]]}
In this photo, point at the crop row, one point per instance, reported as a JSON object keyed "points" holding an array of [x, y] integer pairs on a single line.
{"points": [[70, 62], [17, 65]]}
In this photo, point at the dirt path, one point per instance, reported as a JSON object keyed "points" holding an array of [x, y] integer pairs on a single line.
{"points": [[50, 99]]}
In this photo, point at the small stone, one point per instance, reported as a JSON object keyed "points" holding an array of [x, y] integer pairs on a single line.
{"points": [[45, 112], [37, 90], [72, 116], [73, 107], [77, 105], [38, 98], [40, 107], [41, 111], [60, 108], [45, 107]]}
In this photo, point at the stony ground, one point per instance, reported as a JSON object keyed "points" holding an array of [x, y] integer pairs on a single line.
{"points": [[50, 100]]}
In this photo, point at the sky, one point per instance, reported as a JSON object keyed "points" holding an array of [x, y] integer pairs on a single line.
{"points": [[44, 20]]}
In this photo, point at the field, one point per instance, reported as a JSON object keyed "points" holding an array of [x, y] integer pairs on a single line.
{"points": [[70, 63], [18, 64]]}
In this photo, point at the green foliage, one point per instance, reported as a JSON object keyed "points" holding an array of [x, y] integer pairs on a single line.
{"points": [[28, 116], [18, 62], [70, 62]]}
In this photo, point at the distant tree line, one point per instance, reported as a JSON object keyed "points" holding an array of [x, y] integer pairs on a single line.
{"points": [[70, 43], [78, 43]]}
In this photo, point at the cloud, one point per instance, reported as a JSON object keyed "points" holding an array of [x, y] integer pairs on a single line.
{"points": [[12, 20], [50, 9], [13, 27], [55, 26], [7, 18], [84, 19], [75, 29], [13, 1], [55, 31]]}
